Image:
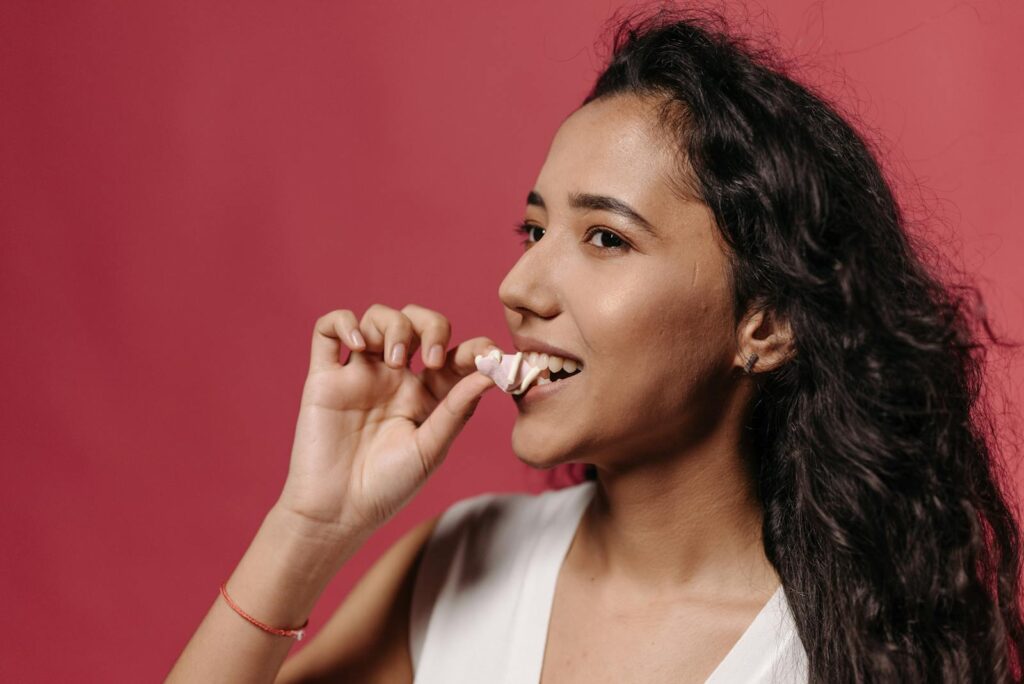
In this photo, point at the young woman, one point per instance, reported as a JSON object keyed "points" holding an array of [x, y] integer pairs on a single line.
{"points": [[789, 474]]}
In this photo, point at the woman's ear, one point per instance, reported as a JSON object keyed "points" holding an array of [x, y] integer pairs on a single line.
{"points": [[766, 335]]}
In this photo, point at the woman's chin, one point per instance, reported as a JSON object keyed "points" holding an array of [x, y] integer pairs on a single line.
{"points": [[540, 451]]}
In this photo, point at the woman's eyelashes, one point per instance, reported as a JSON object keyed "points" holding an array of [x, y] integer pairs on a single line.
{"points": [[616, 241], [527, 229], [607, 240]]}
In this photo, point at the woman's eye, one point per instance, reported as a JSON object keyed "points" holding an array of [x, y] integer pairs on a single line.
{"points": [[607, 239], [531, 232]]}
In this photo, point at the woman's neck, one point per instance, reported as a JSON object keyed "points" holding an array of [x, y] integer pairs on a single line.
{"points": [[690, 523]]}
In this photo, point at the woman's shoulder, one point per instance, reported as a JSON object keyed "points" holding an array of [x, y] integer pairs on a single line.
{"points": [[481, 551], [483, 538]]}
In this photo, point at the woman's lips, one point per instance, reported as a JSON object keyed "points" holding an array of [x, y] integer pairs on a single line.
{"points": [[529, 344]]}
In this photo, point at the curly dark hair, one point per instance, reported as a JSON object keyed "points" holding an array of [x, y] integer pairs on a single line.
{"points": [[887, 513]]}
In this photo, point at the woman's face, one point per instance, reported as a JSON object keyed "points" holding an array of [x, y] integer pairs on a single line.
{"points": [[647, 311]]}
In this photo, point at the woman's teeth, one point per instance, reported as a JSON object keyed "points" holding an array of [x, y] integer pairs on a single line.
{"points": [[514, 373], [553, 368], [551, 362]]}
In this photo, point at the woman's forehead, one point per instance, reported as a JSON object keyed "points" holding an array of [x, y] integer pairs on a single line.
{"points": [[618, 132], [615, 147], [612, 147]]}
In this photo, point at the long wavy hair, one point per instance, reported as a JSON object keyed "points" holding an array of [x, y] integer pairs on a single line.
{"points": [[886, 508]]}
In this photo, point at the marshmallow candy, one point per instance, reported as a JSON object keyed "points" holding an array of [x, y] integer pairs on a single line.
{"points": [[510, 372]]}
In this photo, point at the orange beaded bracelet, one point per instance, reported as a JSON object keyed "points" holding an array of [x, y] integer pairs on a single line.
{"points": [[296, 633]]}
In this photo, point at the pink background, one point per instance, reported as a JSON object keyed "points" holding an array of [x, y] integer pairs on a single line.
{"points": [[187, 186]]}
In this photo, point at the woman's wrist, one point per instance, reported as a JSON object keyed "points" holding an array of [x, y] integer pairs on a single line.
{"points": [[314, 538], [287, 567]]}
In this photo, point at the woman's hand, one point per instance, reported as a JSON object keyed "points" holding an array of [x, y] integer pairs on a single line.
{"points": [[370, 432]]}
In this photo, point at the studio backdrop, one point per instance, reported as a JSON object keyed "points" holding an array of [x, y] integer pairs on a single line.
{"points": [[185, 187]]}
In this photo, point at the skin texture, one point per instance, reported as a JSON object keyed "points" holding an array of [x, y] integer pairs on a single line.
{"points": [[660, 405]]}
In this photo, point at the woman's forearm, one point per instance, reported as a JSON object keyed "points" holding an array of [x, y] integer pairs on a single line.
{"points": [[278, 581]]}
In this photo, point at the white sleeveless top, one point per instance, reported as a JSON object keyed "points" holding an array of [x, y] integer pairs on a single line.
{"points": [[486, 583]]}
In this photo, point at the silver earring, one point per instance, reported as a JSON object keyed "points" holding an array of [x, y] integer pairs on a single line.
{"points": [[749, 366]]}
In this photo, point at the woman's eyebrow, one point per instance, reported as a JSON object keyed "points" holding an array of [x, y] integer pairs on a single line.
{"points": [[592, 202]]}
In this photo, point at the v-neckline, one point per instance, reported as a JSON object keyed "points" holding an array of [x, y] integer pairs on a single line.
{"points": [[739, 649]]}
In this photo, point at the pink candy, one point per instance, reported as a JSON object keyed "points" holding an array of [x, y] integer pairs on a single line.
{"points": [[510, 372]]}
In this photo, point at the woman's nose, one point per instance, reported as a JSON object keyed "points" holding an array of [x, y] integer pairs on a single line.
{"points": [[530, 285]]}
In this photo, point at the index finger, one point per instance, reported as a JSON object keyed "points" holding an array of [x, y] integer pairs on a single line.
{"points": [[459, 362], [329, 332]]}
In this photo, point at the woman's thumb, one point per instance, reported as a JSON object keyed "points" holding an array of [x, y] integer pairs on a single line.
{"points": [[435, 435]]}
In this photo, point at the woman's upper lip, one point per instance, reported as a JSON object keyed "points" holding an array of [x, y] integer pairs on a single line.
{"points": [[528, 344]]}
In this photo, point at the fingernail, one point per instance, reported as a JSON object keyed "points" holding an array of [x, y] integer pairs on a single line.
{"points": [[398, 353], [436, 355], [357, 339]]}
